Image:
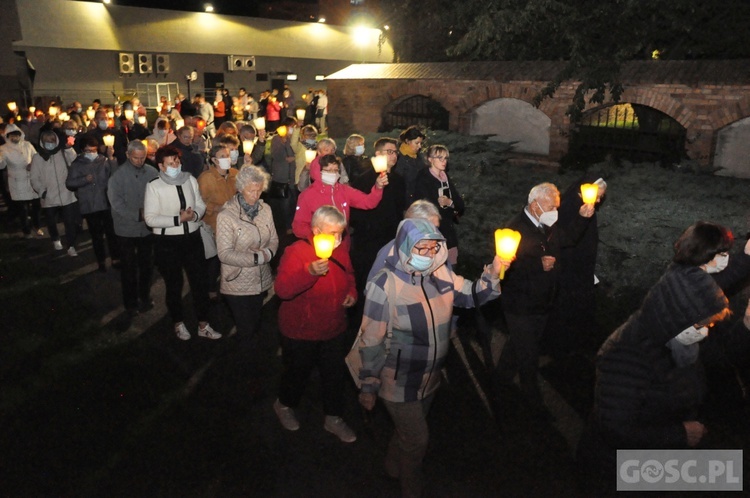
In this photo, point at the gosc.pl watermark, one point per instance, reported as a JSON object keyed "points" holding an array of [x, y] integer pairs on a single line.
{"points": [[679, 470]]}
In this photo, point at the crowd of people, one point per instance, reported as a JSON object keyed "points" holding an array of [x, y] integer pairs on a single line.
{"points": [[202, 193]]}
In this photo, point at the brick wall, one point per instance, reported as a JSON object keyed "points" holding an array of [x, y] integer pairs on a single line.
{"points": [[356, 106]]}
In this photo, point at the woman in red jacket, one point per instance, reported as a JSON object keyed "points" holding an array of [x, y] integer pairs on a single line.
{"points": [[315, 294], [273, 114]]}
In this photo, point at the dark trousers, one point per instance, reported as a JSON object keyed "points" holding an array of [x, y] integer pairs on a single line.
{"points": [[521, 354], [175, 253], [28, 211], [247, 312], [299, 359], [100, 225], [214, 269], [71, 218], [137, 257]]}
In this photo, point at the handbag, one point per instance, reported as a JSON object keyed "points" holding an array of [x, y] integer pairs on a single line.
{"points": [[279, 190], [209, 243]]}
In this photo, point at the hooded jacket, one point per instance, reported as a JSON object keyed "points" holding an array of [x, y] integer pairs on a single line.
{"points": [[16, 157], [92, 196], [642, 396], [240, 242], [405, 331], [49, 171]]}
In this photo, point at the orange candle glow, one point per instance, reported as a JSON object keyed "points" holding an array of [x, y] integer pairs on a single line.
{"points": [[281, 130], [53, 110], [380, 163], [129, 114], [506, 245], [323, 243], [310, 156], [589, 192], [12, 106], [109, 140], [247, 146]]}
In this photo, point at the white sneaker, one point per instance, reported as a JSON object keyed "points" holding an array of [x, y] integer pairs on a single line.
{"points": [[72, 252], [286, 416], [208, 332], [182, 332], [57, 244], [337, 426]]}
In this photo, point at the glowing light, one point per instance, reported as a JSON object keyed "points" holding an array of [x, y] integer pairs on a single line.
{"points": [[322, 20], [179, 123], [655, 54], [142, 120], [291, 77], [247, 146], [12, 106], [109, 140], [506, 245], [323, 243], [259, 123], [64, 116], [310, 156], [129, 114], [380, 163], [300, 114], [386, 27], [111, 114], [208, 7], [106, 2], [90, 113], [320, 77], [589, 192], [53, 110], [362, 35], [281, 130]]}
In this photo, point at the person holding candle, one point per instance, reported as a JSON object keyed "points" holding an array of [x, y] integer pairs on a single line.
{"points": [[304, 155], [283, 167], [162, 132], [102, 129], [47, 174], [328, 190], [89, 178], [529, 289], [373, 228], [405, 335], [192, 161], [173, 207], [273, 113], [256, 156], [315, 294], [433, 184], [572, 319]]}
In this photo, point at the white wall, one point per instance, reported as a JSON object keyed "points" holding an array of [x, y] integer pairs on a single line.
{"points": [[733, 150], [513, 120]]}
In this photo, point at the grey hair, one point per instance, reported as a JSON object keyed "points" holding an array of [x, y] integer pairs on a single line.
{"points": [[422, 209], [328, 214], [136, 145], [329, 142], [543, 190], [252, 174]]}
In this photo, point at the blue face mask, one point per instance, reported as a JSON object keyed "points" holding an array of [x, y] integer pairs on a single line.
{"points": [[173, 172], [103, 125], [91, 155], [359, 150], [420, 263], [49, 146]]}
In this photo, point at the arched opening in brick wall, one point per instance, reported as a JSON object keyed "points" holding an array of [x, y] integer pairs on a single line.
{"points": [[411, 110], [631, 131], [513, 120], [733, 149]]}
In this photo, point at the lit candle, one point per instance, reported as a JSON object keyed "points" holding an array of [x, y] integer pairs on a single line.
{"points": [[111, 114], [179, 123], [259, 123], [145, 143], [32, 109], [129, 114], [109, 140], [589, 192], [247, 146], [281, 130], [323, 243], [52, 110], [142, 120], [64, 116], [310, 156], [90, 113], [12, 106], [506, 245], [300, 114], [380, 163]]}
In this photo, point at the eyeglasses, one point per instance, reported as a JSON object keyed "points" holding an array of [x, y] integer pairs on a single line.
{"points": [[390, 152], [424, 251]]}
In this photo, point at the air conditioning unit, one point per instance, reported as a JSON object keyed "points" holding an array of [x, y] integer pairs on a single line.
{"points": [[162, 63], [145, 63], [126, 63], [241, 62]]}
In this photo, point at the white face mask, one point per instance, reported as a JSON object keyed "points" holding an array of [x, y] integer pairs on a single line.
{"points": [[234, 155], [173, 172], [225, 162], [548, 218], [691, 335], [359, 150], [70, 133], [329, 178], [721, 260]]}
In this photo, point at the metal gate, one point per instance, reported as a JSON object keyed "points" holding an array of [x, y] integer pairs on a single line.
{"points": [[414, 110], [630, 131]]}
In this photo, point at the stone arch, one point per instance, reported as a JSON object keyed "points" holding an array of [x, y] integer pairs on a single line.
{"points": [[512, 120], [414, 109], [733, 149], [661, 101]]}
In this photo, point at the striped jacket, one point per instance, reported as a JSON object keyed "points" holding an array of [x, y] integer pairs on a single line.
{"points": [[406, 326]]}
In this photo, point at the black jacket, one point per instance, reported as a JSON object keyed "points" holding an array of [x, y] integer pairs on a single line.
{"points": [[426, 187]]}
